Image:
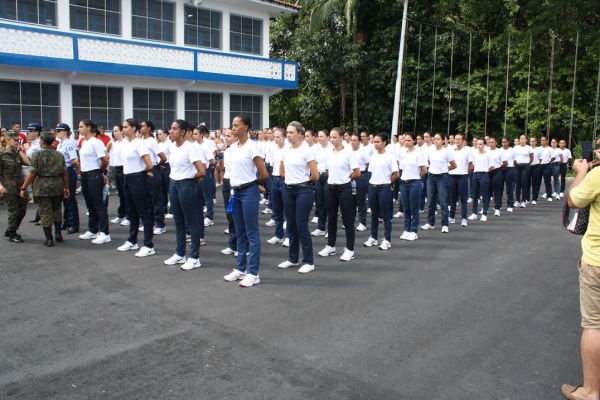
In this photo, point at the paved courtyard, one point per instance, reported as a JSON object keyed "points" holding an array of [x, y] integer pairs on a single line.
{"points": [[485, 312]]}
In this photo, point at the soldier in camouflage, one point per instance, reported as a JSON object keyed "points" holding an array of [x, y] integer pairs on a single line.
{"points": [[12, 158], [48, 173]]}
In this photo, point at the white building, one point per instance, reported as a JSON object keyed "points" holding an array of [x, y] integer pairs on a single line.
{"points": [[157, 60]]}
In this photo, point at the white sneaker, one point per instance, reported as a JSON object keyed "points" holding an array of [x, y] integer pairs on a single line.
{"points": [[318, 232], [287, 264], [306, 268], [470, 200], [463, 222], [549, 199], [226, 231], [533, 202], [267, 211], [361, 228], [275, 240], [125, 222], [472, 217], [236, 275], [159, 231], [427, 227], [385, 245], [404, 235], [116, 220], [128, 246], [496, 213], [544, 196], [227, 251], [399, 214], [249, 280], [88, 235], [168, 216], [145, 252], [483, 218], [202, 241], [368, 210], [523, 204], [262, 202], [141, 229], [270, 222], [517, 204], [327, 251], [284, 225], [444, 229], [315, 220], [78, 190], [412, 236], [348, 255], [561, 195], [371, 242], [190, 264], [451, 220], [286, 242], [102, 238], [175, 259], [509, 209], [208, 222], [481, 212]]}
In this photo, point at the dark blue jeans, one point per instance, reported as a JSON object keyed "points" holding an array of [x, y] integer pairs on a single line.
{"points": [[522, 182], [298, 203], [536, 181], [459, 190], [201, 203], [157, 207], [509, 183], [119, 183], [269, 185], [92, 184], [547, 175], [321, 200], [277, 199], [497, 182], [436, 190], [555, 176], [340, 197], [481, 184], [139, 207], [71, 212], [362, 188], [245, 216], [226, 190], [164, 186], [381, 203], [184, 202], [563, 176], [208, 190], [423, 192], [410, 193]]}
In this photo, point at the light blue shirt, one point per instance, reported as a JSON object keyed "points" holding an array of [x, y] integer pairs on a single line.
{"points": [[33, 147], [68, 148]]}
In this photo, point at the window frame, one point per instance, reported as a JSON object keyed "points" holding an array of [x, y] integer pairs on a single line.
{"points": [[106, 12], [49, 112], [112, 114], [255, 39], [148, 19], [214, 32]]}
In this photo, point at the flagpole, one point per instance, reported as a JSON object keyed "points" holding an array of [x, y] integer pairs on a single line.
{"points": [[399, 73]]}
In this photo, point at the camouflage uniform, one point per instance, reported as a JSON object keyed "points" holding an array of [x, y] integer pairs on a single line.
{"points": [[48, 187], [12, 179]]}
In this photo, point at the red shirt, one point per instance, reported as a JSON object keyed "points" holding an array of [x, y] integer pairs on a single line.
{"points": [[104, 139]]}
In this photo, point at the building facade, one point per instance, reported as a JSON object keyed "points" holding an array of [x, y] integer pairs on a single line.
{"points": [[201, 60]]}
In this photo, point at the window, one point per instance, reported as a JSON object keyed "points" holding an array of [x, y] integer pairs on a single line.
{"points": [[153, 19], [157, 106], [42, 12], [101, 104], [103, 16], [29, 102], [248, 105], [246, 35], [202, 27], [207, 108]]}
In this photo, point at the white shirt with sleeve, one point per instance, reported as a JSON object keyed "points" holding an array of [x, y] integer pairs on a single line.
{"points": [[154, 148], [362, 157], [481, 162], [295, 162], [321, 156], [131, 155], [243, 169], [277, 155], [411, 164], [509, 156], [537, 155], [546, 154], [439, 160], [556, 153], [462, 158], [566, 153], [340, 165], [92, 150], [382, 166], [165, 146], [522, 154], [226, 163], [182, 161], [496, 158], [202, 153]]}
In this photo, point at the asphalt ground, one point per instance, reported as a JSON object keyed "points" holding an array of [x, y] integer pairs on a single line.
{"points": [[489, 311]]}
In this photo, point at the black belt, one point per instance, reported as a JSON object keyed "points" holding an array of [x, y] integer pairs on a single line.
{"points": [[381, 185], [300, 185], [323, 173], [342, 185], [276, 177], [226, 180], [119, 168], [410, 181], [244, 186], [481, 172], [86, 173], [136, 173]]}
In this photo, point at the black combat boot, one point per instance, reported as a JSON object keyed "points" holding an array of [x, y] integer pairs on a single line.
{"points": [[57, 232], [14, 237], [48, 232]]}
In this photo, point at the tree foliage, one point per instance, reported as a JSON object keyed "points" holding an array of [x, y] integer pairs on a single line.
{"points": [[438, 37]]}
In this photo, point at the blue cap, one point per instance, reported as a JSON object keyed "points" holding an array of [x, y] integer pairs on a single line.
{"points": [[34, 126], [63, 127]]}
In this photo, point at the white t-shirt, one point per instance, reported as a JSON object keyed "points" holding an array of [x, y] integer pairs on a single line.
{"points": [[202, 152], [537, 154], [340, 165], [295, 162], [546, 154], [439, 160], [182, 160], [322, 154], [481, 162], [277, 156], [226, 163], [209, 148], [269, 149], [154, 148], [131, 154], [509, 156], [243, 169], [496, 158], [92, 150], [411, 164], [164, 146], [566, 153], [382, 166], [115, 153], [369, 148], [522, 154], [462, 158], [556, 153], [362, 157]]}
